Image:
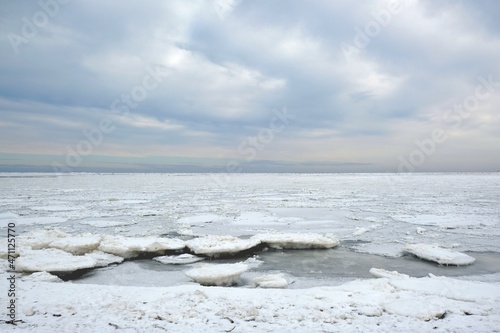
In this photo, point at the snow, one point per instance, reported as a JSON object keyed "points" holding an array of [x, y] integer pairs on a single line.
{"points": [[271, 281], [440, 255], [40, 239], [297, 241], [130, 247], [77, 244], [215, 246], [52, 260], [217, 274], [181, 259]]}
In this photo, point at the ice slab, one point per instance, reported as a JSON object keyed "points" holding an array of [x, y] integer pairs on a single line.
{"points": [[42, 277], [181, 259], [52, 260], [297, 241], [104, 259], [40, 239], [216, 246], [129, 247], [217, 275], [440, 255], [271, 281]]}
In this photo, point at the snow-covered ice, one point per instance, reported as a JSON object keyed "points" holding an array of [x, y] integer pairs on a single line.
{"points": [[382, 273], [217, 274], [42, 277], [181, 259], [440, 255], [78, 245]]}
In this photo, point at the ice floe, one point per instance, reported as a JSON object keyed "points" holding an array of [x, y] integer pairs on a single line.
{"points": [[217, 274], [181, 259], [53, 261], [271, 281], [298, 240], [40, 239], [440, 255], [215, 246], [129, 247]]}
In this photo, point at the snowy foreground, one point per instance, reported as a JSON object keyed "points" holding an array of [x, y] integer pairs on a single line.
{"points": [[188, 224], [433, 304]]}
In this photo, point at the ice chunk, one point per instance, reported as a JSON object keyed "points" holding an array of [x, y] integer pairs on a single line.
{"points": [[129, 247], [104, 259], [382, 273], [217, 275], [297, 241], [271, 281], [42, 277], [421, 231], [440, 255], [182, 259], [77, 244], [221, 245], [52, 260]]}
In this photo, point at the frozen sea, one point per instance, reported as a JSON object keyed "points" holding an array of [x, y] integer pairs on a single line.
{"points": [[374, 216]]}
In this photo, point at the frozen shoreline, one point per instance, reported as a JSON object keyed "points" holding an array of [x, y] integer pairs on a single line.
{"points": [[370, 215]]}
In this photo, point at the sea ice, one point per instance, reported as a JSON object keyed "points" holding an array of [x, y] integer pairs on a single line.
{"points": [[52, 260], [129, 247], [106, 223], [40, 239], [297, 241], [271, 281], [440, 255], [217, 274], [215, 246], [181, 259]]}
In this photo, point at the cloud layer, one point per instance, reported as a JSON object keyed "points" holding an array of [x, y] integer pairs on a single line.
{"points": [[189, 85]]}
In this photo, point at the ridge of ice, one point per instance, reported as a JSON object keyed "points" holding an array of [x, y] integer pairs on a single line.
{"points": [[383, 273], [78, 245], [271, 281], [297, 241]]}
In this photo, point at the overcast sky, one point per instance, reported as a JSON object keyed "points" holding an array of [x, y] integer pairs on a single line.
{"points": [[250, 85]]}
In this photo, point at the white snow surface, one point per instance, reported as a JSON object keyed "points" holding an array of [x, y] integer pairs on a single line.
{"points": [[129, 247], [52, 260], [41, 277], [382, 273], [215, 246], [298, 241], [217, 274], [181, 259], [440, 255]]}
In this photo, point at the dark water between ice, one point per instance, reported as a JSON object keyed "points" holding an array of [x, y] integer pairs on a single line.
{"points": [[307, 267]]}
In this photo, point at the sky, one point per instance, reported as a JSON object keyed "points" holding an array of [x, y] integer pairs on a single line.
{"points": [[249, 86]]}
